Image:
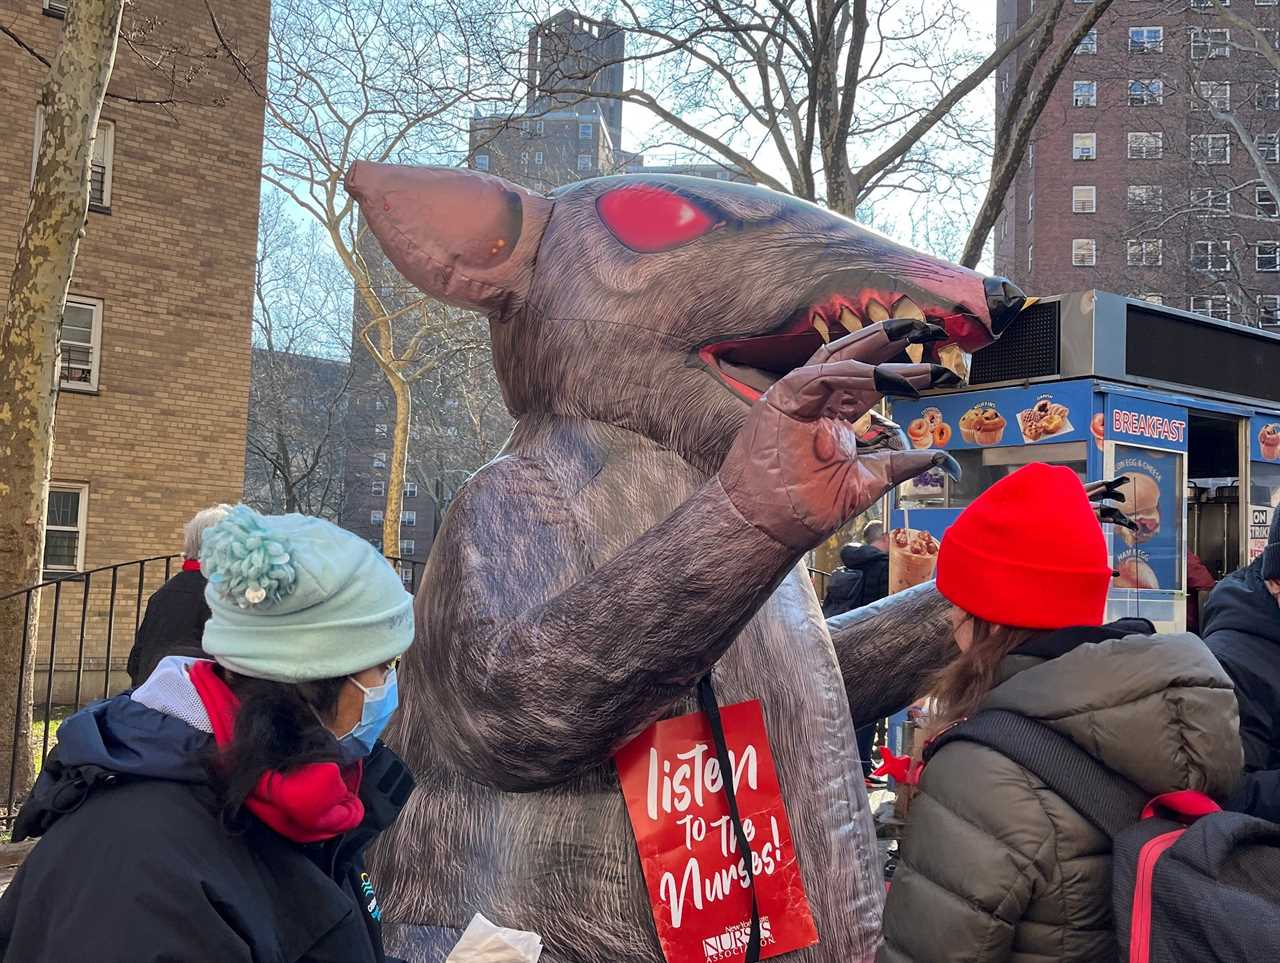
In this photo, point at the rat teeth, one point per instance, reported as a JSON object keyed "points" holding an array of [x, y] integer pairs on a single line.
{"points": [[876, 312], [906, 308], [848, 320], [820, 325], [915, 352]]}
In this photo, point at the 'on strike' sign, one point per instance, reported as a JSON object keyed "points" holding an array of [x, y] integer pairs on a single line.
{"points": [[693, 868]]}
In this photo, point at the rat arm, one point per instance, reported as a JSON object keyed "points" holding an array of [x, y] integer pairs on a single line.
{"points": [[543, 666]]}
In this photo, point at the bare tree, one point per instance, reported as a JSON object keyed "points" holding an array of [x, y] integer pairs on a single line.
{"points": [[71, 100], [301, 374], [1028, 95]]}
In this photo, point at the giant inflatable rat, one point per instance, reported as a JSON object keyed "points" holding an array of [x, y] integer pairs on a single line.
{"points": [[684, 435]]}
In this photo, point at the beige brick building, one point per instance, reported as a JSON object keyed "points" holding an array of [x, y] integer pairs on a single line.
{"points": [[151, 415]]}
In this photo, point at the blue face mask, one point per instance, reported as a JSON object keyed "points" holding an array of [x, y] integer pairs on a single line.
{"points": [[380, 703]]}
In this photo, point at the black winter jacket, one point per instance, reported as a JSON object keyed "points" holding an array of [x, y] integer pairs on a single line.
{"points": [[135, 866], [863, 579], [1241, 626], [173, 624]]}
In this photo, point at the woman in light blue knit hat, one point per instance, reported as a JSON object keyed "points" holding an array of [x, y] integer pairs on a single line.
{"points": [[219, 811]]}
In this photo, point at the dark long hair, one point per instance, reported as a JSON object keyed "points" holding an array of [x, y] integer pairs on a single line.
{"points": [[960, 686], [278, 727]]}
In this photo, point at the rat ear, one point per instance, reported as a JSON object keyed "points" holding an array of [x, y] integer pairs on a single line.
{"points": [[459, 235]]}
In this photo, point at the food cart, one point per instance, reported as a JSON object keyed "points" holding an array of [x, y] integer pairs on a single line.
{"points": [[1186, 406]]}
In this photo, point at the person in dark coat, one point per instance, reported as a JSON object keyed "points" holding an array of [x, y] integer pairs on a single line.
{"points": [[863, 577], [176, 613], [219, 811], [1240, 624]]}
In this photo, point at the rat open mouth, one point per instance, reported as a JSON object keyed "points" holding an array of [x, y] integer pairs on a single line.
{"points": [[750, 365]]}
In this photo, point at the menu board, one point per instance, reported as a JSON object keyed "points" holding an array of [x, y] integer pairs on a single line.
{"points": [[1151, 557], [1001, 417]]}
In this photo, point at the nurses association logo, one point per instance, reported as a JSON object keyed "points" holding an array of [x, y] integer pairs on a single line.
{"points": [[734, 940], [371, 900]]}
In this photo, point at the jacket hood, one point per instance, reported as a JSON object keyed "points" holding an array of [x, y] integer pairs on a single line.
{"points": [[1158, 709], [856, 556], [1241, 603], [125, 737]]}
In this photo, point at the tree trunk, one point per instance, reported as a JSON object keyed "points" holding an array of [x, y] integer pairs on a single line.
{"points": [[71, 100], [399, 461]]}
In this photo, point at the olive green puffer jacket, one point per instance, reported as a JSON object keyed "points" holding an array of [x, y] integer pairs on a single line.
{"points": [[995, 866]]}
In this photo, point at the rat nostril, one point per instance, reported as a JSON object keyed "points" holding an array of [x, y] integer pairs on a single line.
{"points": [[1004, 301]]}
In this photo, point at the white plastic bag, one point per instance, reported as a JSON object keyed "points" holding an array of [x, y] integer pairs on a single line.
{"points": [[483, 942]]}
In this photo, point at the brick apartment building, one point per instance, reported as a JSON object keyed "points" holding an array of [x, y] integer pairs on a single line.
{"points": [[150, 424], [1137, 179]]}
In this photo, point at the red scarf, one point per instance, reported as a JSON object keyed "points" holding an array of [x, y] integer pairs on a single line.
{"points": [[309, 804], [191, 564]]}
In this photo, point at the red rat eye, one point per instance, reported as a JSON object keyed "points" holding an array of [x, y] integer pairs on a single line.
{"points": [[651, 219]]}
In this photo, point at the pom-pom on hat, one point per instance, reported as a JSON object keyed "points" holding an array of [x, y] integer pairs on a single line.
{"points": [[1028, 552], [296, 598]]}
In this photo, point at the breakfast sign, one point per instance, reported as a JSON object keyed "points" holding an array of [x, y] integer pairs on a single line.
{"points": [[1148, 423], [694, 869], [1001, 417]]}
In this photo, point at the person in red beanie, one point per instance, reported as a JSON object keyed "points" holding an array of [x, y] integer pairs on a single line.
{"points": [[995, 866]]}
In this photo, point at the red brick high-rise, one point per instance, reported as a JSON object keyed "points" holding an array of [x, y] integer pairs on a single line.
{"points": [[1140, 178]]}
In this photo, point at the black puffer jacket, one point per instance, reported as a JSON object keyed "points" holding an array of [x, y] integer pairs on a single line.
{"points": [[173, 624], [863, 579], [1241, 626], [134, 865]]}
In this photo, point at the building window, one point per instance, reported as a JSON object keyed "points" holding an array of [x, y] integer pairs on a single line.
{"points": [[1084, 199], [1211, 148], [411, 489], [81, 338], [1209, 3], [584, 162], [104, 148], [1146, 39], [1267, 256], [1146, 198], [1031, 206], [65, 528], [407, 547], [1084, 147], [1088, 43], [55, 8], [585, 131], [1146, 93], [1084, 93], [1265, 203], [1151, 297], [379, 431], [1269, 310], [1267, 96], [377, 487], [409, 518], [1031, 250], [1211, 255], [1211, 43], [1214, 93], [1212, 203], [1145, 253], [1084, 252], [1146, 145], [375, 516], [539, 127], [482, 162], [537, 158], [380, 459], [1003, 230], [1270, 34], [1213, 305], [1268, 147]]}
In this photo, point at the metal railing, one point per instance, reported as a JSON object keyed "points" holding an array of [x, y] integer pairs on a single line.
{"points": [[87, 624]]}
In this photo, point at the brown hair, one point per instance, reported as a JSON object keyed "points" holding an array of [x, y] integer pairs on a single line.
{"points": [[960, 686]]}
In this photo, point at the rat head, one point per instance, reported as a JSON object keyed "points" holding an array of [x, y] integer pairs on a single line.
{"points": [[663, 304]]}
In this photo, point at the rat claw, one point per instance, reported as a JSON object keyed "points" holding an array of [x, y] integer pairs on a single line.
{"points": [[889, 383], [940, 377], [930, 333], [948, 464]]}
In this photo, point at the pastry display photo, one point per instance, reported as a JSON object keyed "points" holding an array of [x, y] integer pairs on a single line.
{"points": [[988, 426], [1045, 419], [1098, 428], [1269, 442], [1135, 573], [913, 556], [929, 430]]}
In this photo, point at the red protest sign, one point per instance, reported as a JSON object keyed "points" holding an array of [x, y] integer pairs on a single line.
{"points": [[692, 865]]}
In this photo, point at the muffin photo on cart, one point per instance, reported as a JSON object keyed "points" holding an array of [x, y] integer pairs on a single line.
{"points": [[913, 555]]}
